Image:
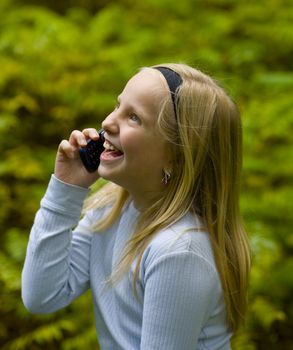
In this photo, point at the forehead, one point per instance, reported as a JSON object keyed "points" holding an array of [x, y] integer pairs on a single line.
{"points": [[146, 88]]}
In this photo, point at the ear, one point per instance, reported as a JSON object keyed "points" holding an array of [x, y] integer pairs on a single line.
{"points": [[166, 177]]}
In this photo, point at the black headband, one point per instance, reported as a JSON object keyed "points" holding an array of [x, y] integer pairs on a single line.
{"points": [[174, 81]]}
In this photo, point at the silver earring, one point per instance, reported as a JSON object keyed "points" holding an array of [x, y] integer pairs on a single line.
{"points": [[166, 177]]}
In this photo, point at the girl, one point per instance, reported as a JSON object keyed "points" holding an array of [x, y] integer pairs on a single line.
{"points": [[161, 246]]}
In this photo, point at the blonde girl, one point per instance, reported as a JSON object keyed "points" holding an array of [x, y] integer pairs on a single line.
{"points": [[162, 245]]}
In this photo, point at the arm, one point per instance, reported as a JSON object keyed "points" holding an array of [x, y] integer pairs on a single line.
{"points": [[179, 289], [56, 268]]}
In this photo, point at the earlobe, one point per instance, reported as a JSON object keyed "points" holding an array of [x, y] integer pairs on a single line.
{"points": [[166, 177]]}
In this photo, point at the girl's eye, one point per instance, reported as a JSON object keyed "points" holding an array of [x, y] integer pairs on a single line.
{"points": [[134, 118]]}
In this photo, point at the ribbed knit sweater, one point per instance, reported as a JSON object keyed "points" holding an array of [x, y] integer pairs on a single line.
{"points": [[180, 302]]}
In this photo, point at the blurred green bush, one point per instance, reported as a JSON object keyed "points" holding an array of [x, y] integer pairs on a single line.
{"points": [[62, 65]]}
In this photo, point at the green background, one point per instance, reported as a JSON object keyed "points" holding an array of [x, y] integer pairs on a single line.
{"points": [[62, 65]]}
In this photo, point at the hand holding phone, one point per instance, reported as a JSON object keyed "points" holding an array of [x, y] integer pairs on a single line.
{"points": [[90, 154]]}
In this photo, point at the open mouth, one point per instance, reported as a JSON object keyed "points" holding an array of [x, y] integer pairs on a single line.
{"points": [[111, 151]]}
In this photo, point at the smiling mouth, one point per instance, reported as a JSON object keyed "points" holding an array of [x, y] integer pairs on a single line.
{"points": [[111, 151]]}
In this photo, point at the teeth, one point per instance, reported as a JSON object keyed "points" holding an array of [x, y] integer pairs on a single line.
{"points": [[109, 146]]}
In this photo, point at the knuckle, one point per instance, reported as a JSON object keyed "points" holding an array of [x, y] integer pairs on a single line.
{"points": [[75, 133], [87, 130], [63, 144]]}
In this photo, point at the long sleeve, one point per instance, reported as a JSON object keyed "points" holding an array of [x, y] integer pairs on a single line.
{"points": [[180, 302], [56, 268]]}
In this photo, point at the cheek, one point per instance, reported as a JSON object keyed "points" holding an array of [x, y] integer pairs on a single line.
{"points": [[144, 151], [132, 149]]}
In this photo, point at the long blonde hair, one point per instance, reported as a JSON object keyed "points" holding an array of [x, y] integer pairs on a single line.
{"points": [[206, 144]]}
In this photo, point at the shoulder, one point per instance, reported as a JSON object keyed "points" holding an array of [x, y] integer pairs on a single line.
{"points": [[185, 240]]}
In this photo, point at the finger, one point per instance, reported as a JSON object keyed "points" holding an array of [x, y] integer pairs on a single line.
{"points": [[77, 138], [91, 133], [67, 149]]}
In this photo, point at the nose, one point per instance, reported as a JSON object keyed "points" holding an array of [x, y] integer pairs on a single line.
{"points": [[110, 123]]}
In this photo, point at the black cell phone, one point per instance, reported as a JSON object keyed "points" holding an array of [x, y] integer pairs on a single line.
{"points": [[90, 154]]}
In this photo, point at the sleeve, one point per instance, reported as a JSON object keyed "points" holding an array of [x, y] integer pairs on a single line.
{"points": [[178, 293], [56, 268]]}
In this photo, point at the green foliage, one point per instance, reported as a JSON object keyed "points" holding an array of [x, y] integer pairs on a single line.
{"points": [[62, 65]]}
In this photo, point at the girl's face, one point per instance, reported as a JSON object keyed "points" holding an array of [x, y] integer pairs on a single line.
{"points": [[135, 154]]}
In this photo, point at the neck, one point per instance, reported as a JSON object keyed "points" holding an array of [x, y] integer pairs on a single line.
{"points": [[144, 200]]}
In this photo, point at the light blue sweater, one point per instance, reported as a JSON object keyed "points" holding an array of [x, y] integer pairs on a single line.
{"points": [[180, 304]]}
